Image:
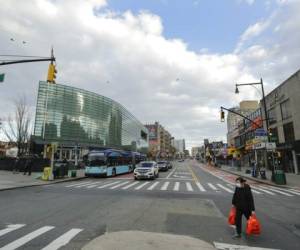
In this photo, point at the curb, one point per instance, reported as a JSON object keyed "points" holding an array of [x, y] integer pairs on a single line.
{"points": [[254, 179], [42, 184]]}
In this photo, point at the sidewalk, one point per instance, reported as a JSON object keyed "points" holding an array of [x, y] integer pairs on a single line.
{"points": [[136, 240], [8, 180], [293, 180]]}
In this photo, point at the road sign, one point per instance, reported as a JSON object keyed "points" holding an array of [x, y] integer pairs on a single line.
{"points": [[259, 145], [260, 132], [270, 145]]}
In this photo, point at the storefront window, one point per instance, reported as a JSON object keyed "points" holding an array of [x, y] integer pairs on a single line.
{"points": [[272, 116], [288, 130], [285, 110]]}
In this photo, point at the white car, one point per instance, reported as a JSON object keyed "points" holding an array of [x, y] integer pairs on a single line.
{"points": [[146, 170]]}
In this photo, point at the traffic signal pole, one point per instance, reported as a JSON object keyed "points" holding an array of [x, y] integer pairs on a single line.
{"points": [[28, 61]]}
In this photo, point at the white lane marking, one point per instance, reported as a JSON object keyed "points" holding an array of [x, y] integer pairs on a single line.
{"points": [[172, 172], [142, 185], [84, 185], [212, 186], [119, 185], [202, 189], [176, 186], [224, 246], [109, 184], [63, 239], [225, 188], [10, 228], [263, 190], [95, 184], [255, 191], [130, 185], [189, 187], [165, 186], [153, 185], [287, 190], [278, 191], [28, 237], [78, 184]]}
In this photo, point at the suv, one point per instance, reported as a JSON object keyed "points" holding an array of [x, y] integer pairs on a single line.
{"points": [[163, 166], [146, 170]]}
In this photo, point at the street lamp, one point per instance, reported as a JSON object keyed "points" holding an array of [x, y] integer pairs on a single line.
{"points": [[264, 107]]}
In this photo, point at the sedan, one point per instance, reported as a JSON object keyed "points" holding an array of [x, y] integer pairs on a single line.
{"points": [[163, 166]]}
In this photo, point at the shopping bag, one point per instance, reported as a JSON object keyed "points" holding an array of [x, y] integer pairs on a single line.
{"points": [[253, 226], [231, 217]]}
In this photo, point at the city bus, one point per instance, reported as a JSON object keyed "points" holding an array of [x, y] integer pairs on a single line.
{"points": [[111, 162]]}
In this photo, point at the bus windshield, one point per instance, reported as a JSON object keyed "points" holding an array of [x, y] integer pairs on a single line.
{"points": [[97, 160]]}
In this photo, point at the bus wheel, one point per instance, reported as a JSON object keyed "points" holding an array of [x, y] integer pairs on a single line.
{"points": [[113, 173]]}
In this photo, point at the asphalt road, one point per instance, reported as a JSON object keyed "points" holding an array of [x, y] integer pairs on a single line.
{"points": [[190, 199]]}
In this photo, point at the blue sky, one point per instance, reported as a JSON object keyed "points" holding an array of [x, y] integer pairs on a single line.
{"points": [[214, 24]]}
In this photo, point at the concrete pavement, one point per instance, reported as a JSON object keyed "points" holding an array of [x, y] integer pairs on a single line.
{"points": [[76, 213], [10, 180]]}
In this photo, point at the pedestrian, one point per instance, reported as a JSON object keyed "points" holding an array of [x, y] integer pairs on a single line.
{"points": [[28, 165], [16, 165], [243, 202]]}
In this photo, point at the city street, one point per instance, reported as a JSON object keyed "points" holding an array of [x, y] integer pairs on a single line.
{"points": [[190, 199]]}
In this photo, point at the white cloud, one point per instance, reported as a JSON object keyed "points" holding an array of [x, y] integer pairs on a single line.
{"points": [[154, 77]]}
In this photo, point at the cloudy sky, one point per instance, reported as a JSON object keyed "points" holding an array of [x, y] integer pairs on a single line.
{"points": [[173, 61]]}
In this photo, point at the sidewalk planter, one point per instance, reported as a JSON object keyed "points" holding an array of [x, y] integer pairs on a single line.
{"points": [[279, 177], [73, 173]]}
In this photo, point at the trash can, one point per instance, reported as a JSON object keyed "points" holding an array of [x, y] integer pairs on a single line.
{"points": [[73, 173], [263, 174], [279, 177]]}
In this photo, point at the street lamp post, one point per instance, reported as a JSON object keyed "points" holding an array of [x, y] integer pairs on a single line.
{"points": [[264, 107]]}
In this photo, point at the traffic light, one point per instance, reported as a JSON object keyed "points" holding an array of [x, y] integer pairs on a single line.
{"points": [[270, 132], [222, 115], [51, 73]]}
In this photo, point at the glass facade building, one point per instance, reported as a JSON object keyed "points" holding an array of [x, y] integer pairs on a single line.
{"points": [[72, 116]]}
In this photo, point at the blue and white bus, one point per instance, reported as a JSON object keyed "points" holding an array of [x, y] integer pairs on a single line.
{"points": [[111, 162]]}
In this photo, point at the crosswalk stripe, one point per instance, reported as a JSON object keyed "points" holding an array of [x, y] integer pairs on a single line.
{"points": [[153, 185], [78, 184], [63, 239], [165, 186], [109, 184], [189, 187], [225, 188], [255, 191], [211, 186], [28, 237], [288, 190], [142, 185], [176, 186], [119, 185], [266, 191], [10, 228], [278, 191], [201, 188], [131, 185], [95, 184], [83, 185]]}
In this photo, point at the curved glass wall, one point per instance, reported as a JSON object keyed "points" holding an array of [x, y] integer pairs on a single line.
{"points": [[69, 115]]}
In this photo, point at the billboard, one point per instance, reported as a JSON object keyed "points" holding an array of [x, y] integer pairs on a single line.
{"points": [[152, 132]]}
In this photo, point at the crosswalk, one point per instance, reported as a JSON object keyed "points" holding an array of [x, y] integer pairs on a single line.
{"points": [[32, 237], [179, 186]]}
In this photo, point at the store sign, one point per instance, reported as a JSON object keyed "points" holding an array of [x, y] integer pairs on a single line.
{"points": [[261, 139], [260, 132]]}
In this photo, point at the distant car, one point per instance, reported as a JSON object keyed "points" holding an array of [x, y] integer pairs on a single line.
{"points": [[146, 170], [169, 165], [181, 160], [163, 166]]}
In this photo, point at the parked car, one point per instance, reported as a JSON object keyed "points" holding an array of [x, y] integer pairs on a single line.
{"points": [[146, 170], [169, 164], [163, 166], [181, 160]]}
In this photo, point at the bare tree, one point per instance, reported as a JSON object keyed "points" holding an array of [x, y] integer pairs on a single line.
{"points": [[18, 129]]}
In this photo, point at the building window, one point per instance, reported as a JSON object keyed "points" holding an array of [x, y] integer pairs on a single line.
{"points": [[285, 110], [288, 130], [272, 116]]}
